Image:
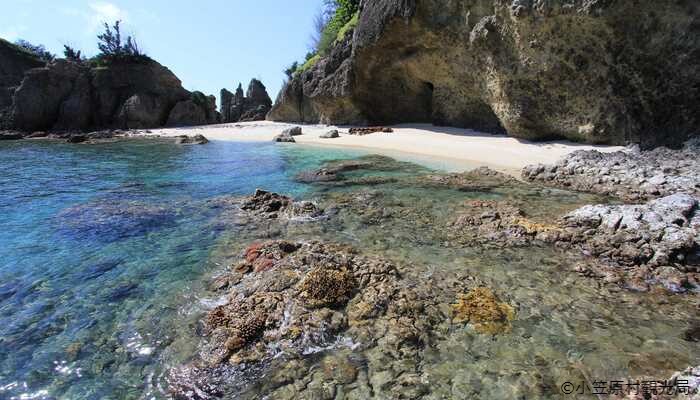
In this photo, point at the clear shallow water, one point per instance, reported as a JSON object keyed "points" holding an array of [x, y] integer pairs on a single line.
{"points": [[87, 286], [108, 251]]}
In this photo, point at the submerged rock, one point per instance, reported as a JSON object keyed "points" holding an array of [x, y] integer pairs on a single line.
{"points": [[310, 297], [482, 309]]}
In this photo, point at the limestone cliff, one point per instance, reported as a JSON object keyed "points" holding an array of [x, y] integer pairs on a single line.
{"points": [[67, 95], [600, 71], [251, 106]]}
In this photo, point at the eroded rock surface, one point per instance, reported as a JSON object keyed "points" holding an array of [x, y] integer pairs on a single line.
{"points": [[630, 175]]}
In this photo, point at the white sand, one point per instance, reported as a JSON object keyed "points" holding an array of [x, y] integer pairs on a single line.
{"points": [[447, 148]]}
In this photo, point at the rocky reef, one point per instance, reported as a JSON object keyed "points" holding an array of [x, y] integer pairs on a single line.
{"points": [[66, 95], [287, 301], [253, 106], [594, 71]]}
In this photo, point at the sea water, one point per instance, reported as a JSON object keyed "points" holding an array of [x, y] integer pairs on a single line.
{"points": [[108, 250]]}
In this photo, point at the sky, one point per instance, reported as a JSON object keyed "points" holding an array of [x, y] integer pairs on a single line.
{"points": [[208, 44]]}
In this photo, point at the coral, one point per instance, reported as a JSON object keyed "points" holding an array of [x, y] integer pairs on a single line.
{"points": [[326, 287], [483, 310]]}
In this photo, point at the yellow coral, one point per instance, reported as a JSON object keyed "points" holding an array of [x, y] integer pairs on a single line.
{"points": [[481, 308]]}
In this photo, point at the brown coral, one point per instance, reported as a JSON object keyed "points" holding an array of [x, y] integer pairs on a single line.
{"points": [[482, 309], [327, 287]]}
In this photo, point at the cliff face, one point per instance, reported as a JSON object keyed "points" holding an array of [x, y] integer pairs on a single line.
{"points": [[600, 71], [14, 62], [251, 106], [65, 95]]}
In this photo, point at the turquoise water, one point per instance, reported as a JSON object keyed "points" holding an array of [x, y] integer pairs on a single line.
{"points": [[102, 244], [108, 252]]}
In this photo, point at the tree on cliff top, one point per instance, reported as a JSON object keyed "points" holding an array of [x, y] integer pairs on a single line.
{"points": [[113, 48]]}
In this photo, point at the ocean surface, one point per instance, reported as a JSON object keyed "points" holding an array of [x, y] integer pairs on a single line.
{"points": [[107, 251]]}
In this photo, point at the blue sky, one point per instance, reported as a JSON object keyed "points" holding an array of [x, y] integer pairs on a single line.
{"points": [[209, 44]]}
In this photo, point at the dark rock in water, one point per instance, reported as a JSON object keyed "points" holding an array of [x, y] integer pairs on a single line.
{"points": [[692, 334], [272, 205], [108, 221], [253, 106], [367, 131], [10, 136], [332, 134], [77, 139], [333, 170], [196, 139], [97, 270], [521, 67], [122, 292], [631, 174]]}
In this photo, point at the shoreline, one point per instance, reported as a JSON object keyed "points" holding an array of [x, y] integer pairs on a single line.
{"points": [[455, 148]]}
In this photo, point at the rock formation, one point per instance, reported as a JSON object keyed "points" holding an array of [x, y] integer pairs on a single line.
{"points": [[67, 95], [594, 71], [253, 106]]}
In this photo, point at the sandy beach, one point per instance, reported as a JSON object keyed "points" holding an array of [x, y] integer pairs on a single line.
{"points": [[447, 148]]}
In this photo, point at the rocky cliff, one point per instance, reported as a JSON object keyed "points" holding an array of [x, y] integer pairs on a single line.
{"points": [[600, 71], [251, 106], [66, 95]]}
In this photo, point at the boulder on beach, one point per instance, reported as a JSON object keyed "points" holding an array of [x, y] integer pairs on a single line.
{"points": [[332, 134]]}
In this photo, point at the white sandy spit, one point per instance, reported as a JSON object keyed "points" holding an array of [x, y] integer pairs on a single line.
{"points": [[452, 149]]}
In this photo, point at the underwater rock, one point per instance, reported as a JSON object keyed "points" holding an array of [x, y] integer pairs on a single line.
{"points": [[310, 297], [483, 310], [113, 220], [498, 223], [631, 175]]}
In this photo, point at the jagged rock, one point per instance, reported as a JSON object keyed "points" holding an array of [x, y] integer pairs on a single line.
{"points": [[294, 297], [534, 69], [631, 174], [198, 110], [66, 95], [196, 139], [14, 63], [253, 106], [332, 134], [142, 111]]}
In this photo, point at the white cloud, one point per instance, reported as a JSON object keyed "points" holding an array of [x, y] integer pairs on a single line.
{"points": [[101, 12]]}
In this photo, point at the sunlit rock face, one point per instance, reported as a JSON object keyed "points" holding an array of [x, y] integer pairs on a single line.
{"points": [[594, 71], [251, 106]]}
